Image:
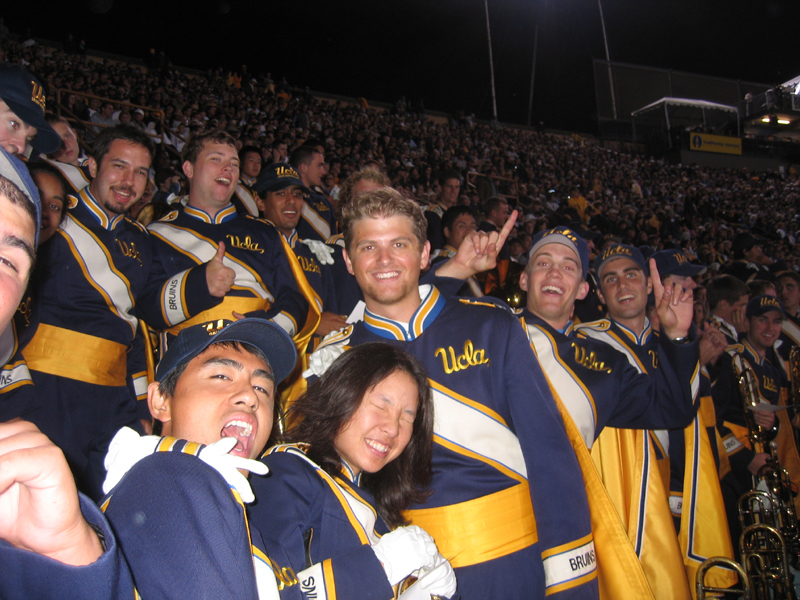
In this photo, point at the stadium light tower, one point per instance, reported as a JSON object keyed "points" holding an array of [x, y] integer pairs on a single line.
{"points": [[608, 61], [491, 62]]}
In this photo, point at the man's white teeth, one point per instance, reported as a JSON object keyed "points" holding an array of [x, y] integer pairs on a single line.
{"points": [[245, 429], [386, 275], [223, 180], [552, 288], [382, 448], [626, 297]]}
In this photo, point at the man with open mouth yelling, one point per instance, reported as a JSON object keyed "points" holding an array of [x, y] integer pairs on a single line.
{"points": [[213, 253], [218, 380], [178, 525]]}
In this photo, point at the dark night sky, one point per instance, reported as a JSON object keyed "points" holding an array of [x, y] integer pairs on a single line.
{"points": [[438, 49]]}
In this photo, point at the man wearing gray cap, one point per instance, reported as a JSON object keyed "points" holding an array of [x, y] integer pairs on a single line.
{"points": [[20, 211], [599, 388], [22, 105]]}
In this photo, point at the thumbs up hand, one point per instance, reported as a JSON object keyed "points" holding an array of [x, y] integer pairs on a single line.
{"points": [[219, 277]]}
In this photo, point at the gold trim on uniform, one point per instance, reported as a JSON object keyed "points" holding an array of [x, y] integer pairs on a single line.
{"points": [[75, 355], [482, 529]]}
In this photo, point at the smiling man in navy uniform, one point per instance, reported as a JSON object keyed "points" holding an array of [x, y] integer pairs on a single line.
{"points": [[497, 427]]}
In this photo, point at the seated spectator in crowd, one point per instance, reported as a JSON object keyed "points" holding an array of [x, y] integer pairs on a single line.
{"points": [[104, 117]]}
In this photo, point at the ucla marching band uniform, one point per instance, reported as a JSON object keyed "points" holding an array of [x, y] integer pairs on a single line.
{"points": [[268, 284], [317, 219], [324, 525], [605, 390], [184, 531], [15, 373], [77, 177], [733, 426], [496, 428], [84, 355], [695, 498], [319, 275]]}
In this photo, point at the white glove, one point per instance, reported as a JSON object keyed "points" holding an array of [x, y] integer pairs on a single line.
{"points": [[321, 359], [404, 550], [228, 465], [439, 580], [323, 253], [128, 447]]}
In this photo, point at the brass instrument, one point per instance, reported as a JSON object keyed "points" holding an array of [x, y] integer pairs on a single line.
{"points": [[766, 562], [721, 561], [748, 390], [770, 540], [794, 374], [794, 389]]}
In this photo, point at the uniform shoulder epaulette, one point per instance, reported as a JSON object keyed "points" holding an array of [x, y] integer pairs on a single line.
{"points": [[734, 349], [336, 337], [335, 239], [72, 201], [487, 301], [436, 209], [170, 216], [598, 325]]}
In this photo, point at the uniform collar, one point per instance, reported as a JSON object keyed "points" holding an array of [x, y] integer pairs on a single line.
{"points": [[348, 472], [226, 214], [639, 340], [247, 181], [429, 308], [94, 208], [568, 331], [727, 328], [292, 239], [753, 353]]}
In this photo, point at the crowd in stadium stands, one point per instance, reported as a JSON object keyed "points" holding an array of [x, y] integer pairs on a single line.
{"points": [[729, 235]]}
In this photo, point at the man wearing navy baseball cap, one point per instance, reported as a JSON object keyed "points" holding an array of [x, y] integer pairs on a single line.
{"points": [[280, 197], [624, 286], [674, 265], [763, 318], [22, 106], [599, 387]]}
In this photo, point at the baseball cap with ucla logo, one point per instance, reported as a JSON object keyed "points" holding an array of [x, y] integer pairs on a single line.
{"points": [[277, 177], [567, 237], [24, 95]]}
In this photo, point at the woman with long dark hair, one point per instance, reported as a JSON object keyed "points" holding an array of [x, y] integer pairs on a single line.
{"points": [[357, 455]]}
